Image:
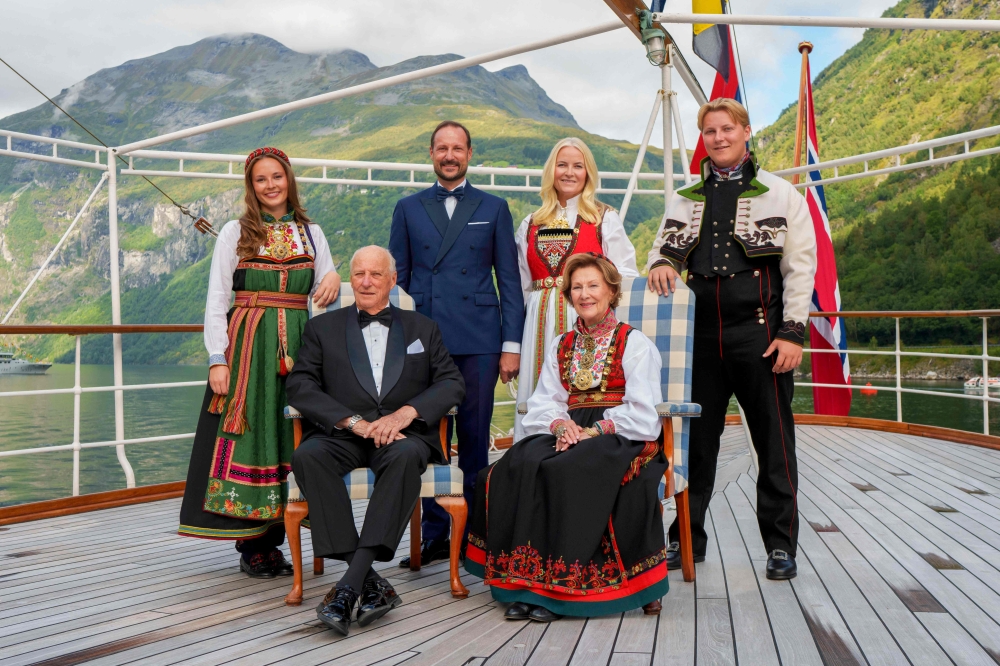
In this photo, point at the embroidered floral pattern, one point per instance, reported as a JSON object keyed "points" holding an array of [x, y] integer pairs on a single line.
{"points": [[525, 564], [603, 335], [792, 331]]}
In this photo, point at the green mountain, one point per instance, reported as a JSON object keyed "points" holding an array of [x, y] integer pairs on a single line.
{"points": [[164, 261], [926, 239]]}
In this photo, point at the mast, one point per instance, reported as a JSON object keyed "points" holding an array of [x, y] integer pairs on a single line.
{"points": [[804, 48]]}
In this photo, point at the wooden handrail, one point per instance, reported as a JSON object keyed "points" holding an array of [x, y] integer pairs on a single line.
{"points": [[198, 328], [99, 329]]}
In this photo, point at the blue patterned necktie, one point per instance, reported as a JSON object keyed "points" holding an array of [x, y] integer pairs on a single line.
{"points": [[458, 193]]}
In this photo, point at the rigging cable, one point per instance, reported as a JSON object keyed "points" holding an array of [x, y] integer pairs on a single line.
{"points": [[181, 208], [743, 81]]}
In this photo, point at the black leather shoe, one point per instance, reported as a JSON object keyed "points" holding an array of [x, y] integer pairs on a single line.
{"points": [[517, 611], [539, 614], [257, 566], [335, 610], [430, 551], [281, 566], [674, 556], [781, 566], [377, 599]]}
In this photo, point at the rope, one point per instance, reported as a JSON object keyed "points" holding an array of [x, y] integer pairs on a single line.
{"points": [[739, 73], [183, 209]]}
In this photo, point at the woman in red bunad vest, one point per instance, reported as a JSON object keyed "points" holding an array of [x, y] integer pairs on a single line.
{"points": [[569, 520], [571, 220], [274, 259]]}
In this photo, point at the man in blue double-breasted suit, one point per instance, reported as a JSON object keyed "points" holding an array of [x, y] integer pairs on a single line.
{"points": [[448, 241]]}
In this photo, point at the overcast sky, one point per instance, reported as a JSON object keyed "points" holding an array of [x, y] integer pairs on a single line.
{"points": [[604, 81]]}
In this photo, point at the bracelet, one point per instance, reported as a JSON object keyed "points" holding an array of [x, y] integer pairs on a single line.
{"points": [[593, 432]]}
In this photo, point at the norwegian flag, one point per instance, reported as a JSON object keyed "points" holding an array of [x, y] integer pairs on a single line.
{"points": [[824, 332]]}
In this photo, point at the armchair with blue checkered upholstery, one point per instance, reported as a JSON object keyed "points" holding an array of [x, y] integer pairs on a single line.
{"points": [[669, 323], [442, 482]]}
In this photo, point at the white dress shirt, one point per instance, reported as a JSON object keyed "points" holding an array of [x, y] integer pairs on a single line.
{"points": [[376, 335], [220, 281], [450, 204]]}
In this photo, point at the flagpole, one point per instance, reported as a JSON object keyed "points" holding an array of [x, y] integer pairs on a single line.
{"points": [[804, 49]]}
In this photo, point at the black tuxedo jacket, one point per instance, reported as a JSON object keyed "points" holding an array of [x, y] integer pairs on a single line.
{"points": [[332, 377]]}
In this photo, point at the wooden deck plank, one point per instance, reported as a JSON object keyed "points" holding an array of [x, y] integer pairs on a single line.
{"points": [[629, 659], [675, 632], [956, 641], [795, 642], [490, 633], [714, 634], [637, 632], [751, 629], [710, 582], [517, 650], [984, 629], [596, 641], [557, 645]]}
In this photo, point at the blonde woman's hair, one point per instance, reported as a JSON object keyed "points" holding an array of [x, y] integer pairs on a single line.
{"points": [[589, 207], [735, 110]]}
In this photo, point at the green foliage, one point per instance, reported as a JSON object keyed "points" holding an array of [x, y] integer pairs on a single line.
{"points": [[25, 229], [139, 237]]}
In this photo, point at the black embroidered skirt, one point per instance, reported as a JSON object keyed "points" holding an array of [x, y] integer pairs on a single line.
{"points": [[579, 532]]}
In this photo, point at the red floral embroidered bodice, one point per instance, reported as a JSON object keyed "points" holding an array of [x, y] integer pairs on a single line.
{"points": [[547, 254], [610, 392]]}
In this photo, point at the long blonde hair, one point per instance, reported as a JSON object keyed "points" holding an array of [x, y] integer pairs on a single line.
{"points": [[252, 232], [589, 208]]}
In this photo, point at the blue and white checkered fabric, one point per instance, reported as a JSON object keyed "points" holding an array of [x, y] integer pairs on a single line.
{"points": [[436, 481], [669, 323], [397, 297]]}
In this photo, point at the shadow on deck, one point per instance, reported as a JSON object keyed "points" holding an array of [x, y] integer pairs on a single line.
{"points": [[899, 562]]}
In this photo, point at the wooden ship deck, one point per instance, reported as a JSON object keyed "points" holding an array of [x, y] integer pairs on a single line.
{"points": [[899, 562]]}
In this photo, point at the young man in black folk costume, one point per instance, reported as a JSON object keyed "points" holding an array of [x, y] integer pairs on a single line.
{"points": [[747, 241]]}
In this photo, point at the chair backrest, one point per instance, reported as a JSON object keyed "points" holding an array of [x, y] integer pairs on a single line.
{"points": [[397, 297], [669, 323]]}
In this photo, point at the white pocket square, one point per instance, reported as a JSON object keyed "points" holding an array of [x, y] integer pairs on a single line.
{"points": [[472, 224], [415, 347]]}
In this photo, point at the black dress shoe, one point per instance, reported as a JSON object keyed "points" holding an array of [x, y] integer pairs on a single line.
{"points": [[377, 599], [517, 611], [335, 610], [257, 565], [430, 551], [281, 566], [780, 566], [674, 556], [539, 614]]}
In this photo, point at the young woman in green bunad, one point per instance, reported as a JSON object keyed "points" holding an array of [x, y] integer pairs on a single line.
{"points": [[273, 258]]}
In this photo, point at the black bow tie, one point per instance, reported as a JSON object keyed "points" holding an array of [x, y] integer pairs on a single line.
{"points": [[458, 193], [384, 317]]}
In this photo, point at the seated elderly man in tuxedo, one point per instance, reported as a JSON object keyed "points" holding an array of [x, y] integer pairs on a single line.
{"points": [[372, 382]]}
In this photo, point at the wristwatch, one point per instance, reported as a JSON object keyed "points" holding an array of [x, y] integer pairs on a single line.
{"points": [[353, 421]]}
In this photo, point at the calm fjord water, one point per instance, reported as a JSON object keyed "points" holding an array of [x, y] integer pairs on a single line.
{"points": [[37, 421]]}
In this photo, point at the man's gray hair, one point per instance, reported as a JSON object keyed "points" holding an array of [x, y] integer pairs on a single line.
{"points": [[377, 248]]}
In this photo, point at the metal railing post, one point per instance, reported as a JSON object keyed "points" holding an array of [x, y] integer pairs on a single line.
{"points": [[116, 317], [668, 148], [986, 380], [634, 178], [76, 421], [899, 378]]}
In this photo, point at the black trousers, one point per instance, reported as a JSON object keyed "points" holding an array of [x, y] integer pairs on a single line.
{"points": [[319, 465], [735, 321]]}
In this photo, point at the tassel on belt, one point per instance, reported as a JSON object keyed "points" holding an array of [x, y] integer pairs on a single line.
{"points": [[250, 306]]}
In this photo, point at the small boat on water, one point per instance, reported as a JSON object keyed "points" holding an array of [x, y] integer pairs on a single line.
{"points": [[18, 366], [976, 384]]}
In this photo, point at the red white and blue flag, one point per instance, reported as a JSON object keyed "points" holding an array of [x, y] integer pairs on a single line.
{"points": [[714, 45], [824, 332]]}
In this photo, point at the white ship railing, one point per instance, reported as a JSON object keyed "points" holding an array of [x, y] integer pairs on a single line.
{"points": [[76, 446]]}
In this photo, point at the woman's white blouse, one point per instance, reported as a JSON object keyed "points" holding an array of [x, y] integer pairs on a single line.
{"points": [[220, 281], [617, 247], [634, 419]]}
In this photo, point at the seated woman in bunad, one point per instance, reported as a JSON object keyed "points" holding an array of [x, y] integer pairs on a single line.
{"points": [[570, 221], [273, 258], [569, 520]]}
